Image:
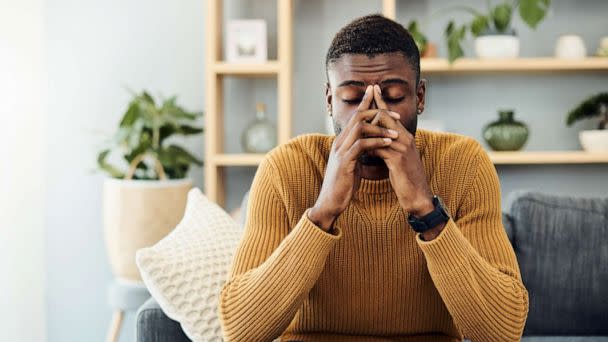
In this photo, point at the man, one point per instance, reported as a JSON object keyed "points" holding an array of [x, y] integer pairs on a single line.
{"points": [[382, 232]]}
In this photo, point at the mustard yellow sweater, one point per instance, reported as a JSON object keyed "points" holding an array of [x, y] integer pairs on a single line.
{"points": [[373, 278]]}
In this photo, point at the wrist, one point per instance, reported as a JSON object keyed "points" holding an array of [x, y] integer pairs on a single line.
{"points": [[321, 218], [431, 234], [422, 207]]}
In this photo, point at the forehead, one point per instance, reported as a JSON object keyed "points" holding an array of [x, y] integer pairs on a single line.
{"points": [[360, 67]]}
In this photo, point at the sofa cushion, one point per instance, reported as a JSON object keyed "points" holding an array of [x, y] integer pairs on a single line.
{"points": [[562, 248], [186, 270], [154, 326]]}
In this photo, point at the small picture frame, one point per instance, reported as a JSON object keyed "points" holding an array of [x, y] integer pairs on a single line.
{"points": [[246, 41]]}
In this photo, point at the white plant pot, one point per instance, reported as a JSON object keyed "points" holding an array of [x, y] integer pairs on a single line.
{"points": [[137, 214], [595, 140], [497, 46]]}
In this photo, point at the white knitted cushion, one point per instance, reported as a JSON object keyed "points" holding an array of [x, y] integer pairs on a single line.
{"points": [[185, 271]]}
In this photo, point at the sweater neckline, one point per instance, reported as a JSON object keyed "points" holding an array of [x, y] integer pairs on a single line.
{"points": [[375, 186]]}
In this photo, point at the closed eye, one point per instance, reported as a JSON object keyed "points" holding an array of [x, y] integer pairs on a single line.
{"points": [[395, 100], [388, 100], [355, 101]]}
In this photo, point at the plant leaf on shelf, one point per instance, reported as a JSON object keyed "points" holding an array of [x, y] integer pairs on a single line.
{"points": [[479, 25], [454, 37], [502, 17], [533, 11]]}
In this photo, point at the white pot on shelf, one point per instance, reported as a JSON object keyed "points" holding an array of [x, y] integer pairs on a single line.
{"points": [[570, 47], [594, 140], [492, 45]]}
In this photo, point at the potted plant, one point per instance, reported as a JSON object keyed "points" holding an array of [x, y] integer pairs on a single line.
{"points": [[426, 48], [145, 199], [596, 106], [493, 33]]}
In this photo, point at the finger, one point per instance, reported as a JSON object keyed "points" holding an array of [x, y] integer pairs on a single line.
{"points": [[359, 116], [398, 146], [363, 130], [378, 97], [366, 144], [385, 120], [363, 115], [385, 153], [367, 98], [392, 114]]}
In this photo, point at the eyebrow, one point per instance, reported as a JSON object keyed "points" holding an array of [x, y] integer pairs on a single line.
{"points": [[362, 84]]}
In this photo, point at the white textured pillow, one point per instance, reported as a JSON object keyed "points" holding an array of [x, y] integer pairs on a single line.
{"points": [[185, 271]]}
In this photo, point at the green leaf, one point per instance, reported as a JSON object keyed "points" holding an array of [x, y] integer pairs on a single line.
{"points": [[189, 130], [145, 96], [419, 38], [533, 11], [479, 25], [107, 167], [454, 36], [588, 108], [130, 115], [121, 135], [135, 134], [502, 16]]}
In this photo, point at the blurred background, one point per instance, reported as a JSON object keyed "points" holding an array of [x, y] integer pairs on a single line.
{"points": [[69, 71]]}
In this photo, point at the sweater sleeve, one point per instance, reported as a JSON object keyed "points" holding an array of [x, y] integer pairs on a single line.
{"points": [[473, 265], [274, 267]]}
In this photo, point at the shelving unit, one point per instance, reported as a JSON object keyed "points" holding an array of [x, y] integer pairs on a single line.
{"points": [[548, 157], [216, 160], [542, 64]]}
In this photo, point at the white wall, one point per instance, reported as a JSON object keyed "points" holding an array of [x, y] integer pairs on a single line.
{"points": [[22, 123], [96, 50]]}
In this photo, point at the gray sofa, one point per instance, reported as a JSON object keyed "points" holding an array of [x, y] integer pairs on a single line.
{"points": [[562, 248]]}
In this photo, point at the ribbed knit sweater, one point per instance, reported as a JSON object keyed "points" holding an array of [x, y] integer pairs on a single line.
{"points": [[372, 278]]}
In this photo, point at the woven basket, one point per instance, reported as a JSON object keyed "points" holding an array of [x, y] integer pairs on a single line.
{"points": [[138, 213]]}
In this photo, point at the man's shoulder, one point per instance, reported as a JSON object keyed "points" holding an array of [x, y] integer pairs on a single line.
{"points": [[448, 146]]}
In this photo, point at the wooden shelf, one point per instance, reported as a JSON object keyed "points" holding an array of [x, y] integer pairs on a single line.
{"points": [[281, 68], [241, 159], [470, 65], [498, 158], [270, 68], [548, 157]]}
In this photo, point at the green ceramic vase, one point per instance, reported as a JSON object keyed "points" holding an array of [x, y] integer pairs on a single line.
{"points": [[505, 134]]}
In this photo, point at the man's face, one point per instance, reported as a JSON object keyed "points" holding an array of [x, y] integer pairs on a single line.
{"points": [[352, 73]]}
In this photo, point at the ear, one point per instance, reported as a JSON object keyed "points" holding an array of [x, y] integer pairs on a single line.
{"points": [[328, 97], [421, 95]]}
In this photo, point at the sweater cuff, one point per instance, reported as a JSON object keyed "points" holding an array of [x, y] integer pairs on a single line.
{"points": [[311, 242], [448, 251]]}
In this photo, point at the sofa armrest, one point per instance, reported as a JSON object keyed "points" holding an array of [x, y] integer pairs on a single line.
{"points": [[154, 326]]}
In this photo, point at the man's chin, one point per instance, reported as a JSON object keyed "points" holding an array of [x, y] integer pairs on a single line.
{"points": [[368, 160]]}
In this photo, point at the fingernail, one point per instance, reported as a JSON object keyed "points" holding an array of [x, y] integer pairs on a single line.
{"points": [[395, 115], [377, 88], [392, 132], [388, 140]]}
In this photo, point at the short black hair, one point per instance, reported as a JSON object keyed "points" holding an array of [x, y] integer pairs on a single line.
{"points": [[372, 35]]}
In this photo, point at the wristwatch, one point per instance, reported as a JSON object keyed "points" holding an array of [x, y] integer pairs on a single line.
{"points": [[431, 220]]}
